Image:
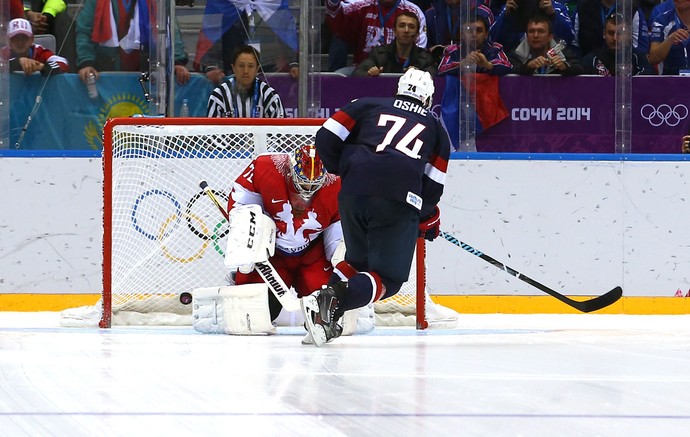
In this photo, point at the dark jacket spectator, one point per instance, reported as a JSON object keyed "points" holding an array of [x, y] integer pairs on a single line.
{"points": [[591, 18], [511, 24], [400, 54], [358, 23], [444, 17], [602, 61], [538, 53]]}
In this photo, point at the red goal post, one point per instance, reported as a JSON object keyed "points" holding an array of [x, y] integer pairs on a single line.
{"points": [[163, 236]]}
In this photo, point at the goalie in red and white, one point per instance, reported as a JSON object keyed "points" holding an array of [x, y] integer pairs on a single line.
{"points": [[300, 198]]}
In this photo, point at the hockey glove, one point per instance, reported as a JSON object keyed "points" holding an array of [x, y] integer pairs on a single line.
{"points": [[430, 227]]}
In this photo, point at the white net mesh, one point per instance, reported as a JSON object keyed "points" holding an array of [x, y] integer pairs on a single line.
{"points": [[166, 237]]}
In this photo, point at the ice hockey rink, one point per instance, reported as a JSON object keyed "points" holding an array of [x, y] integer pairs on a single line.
{"points": [[495, 375]]}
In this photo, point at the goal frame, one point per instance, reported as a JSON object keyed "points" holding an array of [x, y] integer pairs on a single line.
{"points": [[107, 164]]}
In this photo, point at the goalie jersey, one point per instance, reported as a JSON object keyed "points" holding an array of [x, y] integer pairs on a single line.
{"points": [[267, 181], [387, 147]]}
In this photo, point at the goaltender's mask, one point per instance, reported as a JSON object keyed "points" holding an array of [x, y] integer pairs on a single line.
{"points": [[307, 171]]}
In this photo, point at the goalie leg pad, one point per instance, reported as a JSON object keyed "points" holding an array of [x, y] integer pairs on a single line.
{"points": [[237, 310], [358, 320]]}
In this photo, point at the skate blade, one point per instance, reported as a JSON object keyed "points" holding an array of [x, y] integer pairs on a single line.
{"points": [[308, 339], [309, 307]]}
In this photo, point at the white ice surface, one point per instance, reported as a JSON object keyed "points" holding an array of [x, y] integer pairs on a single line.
{"points": [[497, 375]]}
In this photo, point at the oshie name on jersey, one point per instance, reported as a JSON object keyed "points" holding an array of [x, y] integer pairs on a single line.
{"points": [[406, 105]]}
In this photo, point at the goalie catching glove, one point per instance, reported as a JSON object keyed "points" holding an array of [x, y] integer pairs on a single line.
{"points": [[430, 228]]}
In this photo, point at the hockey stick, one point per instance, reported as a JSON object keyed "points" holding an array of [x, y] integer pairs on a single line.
{"points": [[586, 306], [265, 269]]}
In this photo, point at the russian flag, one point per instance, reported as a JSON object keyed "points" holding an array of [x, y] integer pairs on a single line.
{"points": [[488, 104]]}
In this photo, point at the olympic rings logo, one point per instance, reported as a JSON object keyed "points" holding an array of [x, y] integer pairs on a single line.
{"points": [[664, 114], [194, 223]]}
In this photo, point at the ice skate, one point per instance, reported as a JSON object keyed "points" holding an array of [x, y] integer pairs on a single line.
{"points": [[307, 339], [321, 316]]}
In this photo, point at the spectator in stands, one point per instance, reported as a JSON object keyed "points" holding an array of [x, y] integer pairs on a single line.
{"points": [[536, 54], [17, 9], [365, 24], [244, 94], [114, 36], [496, 6], [651, 8], [400, 54], [50, 17], [602, 61], [571, 5], [590, 22], [670, 39], [43, 13], [477, 50], [228, 24], [511, 24], [444, 18], [28, 57], [480, 56]]}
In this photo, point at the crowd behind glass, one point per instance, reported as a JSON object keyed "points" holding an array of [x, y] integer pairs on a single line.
{"points": [[237, 44]]}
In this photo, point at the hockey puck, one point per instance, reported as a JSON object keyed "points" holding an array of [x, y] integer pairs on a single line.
{"points": [[186, 298]]}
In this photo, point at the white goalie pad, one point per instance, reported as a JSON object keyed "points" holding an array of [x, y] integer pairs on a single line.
{"points": [[251, 237], [359, 320], [238, 310]]}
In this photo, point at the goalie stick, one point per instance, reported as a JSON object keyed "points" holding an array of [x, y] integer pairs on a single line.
{"points": [[265, 269], [586, 306]]}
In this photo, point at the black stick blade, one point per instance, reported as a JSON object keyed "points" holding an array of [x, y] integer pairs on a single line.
{"points": [[600, 302]]}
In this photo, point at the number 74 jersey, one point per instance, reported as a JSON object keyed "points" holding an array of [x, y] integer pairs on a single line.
{"points": [[389, 147]]}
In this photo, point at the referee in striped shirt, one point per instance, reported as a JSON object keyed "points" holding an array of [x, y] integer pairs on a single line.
{"points": [[244, 94]]}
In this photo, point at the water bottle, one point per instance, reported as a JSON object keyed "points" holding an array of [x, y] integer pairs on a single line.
{"points": [[184, 110], [554, 53], [91, 86], [556, 50]]}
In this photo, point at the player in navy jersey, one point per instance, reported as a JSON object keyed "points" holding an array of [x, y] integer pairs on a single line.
{"points": [[391, 154]]}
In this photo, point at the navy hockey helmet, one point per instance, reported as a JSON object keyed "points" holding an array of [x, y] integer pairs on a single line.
{"points": [[417, 84], [307, 170]]}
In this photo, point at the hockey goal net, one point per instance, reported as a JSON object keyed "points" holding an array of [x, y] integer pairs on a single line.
{"points": [[164, 237]]}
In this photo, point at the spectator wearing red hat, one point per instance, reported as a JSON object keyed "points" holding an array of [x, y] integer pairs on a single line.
{"points": [[28, 57]]}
